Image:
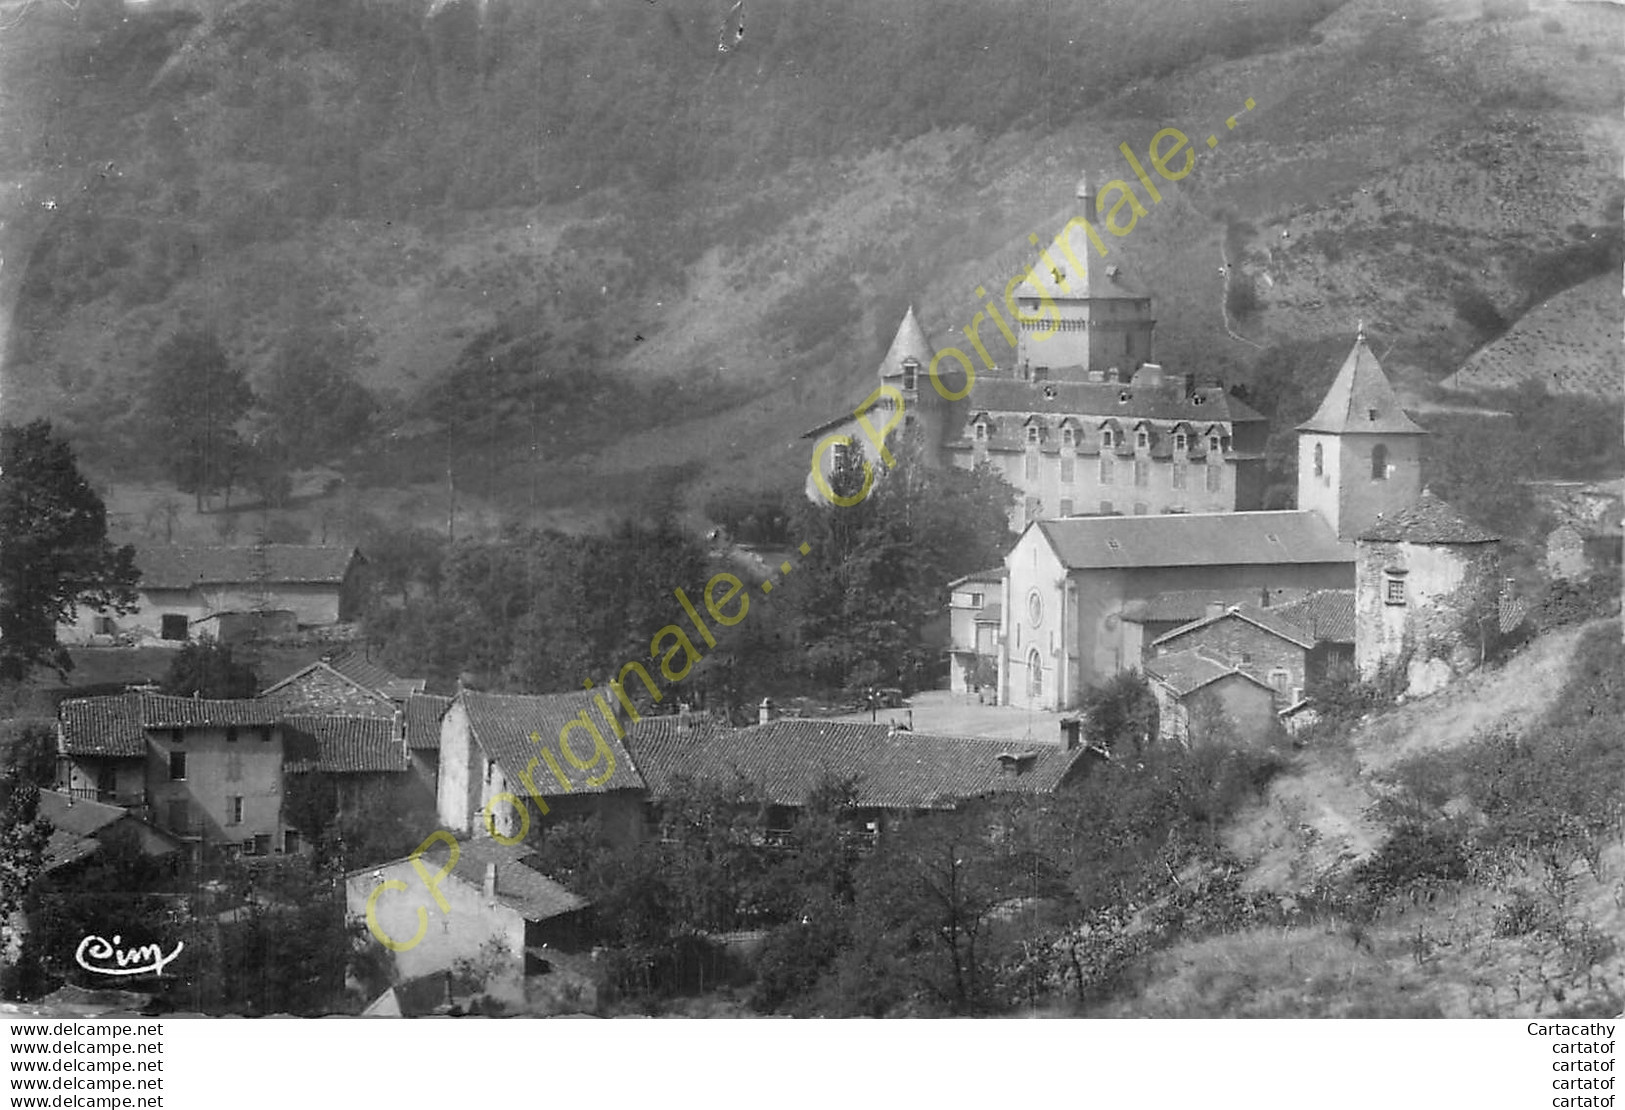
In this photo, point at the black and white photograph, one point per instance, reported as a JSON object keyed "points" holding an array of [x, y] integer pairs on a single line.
{"points": [[1083, 510]]}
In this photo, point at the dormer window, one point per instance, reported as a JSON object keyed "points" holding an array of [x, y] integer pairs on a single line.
{"points": [[1181, 442], [1105, 437], [1032, 433], [981, 431], [1213, 444], [1141, 439], [911, 372], [1066, 437]]}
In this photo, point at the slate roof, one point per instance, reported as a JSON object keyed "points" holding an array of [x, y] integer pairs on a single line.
{"points": [[106, 726], [1100, 278], [358, 668], [1361, 399], [1195, 539], [1268, 620], [909, 342], [1427, 520], [788, 759], [1185, 672], [1100, 401], [423, 715], [180, 568], [1327, 615], [502, 725], [342, 745]]}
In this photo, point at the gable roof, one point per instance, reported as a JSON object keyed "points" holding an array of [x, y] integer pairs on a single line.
{"points": [[1427, 520], [355, 666], [1185, 672], [910, 342], [519, 886], [1361, 399], [288, 694], [108, 726], [342, 745], [1264, 619], [423, 715], [1327, 615], [181, 568], [894, 769], [1194, 539], [502, 725]]}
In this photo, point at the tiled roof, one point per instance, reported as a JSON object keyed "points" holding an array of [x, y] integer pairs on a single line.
{"points": [[1427, 520], [180, 568], [788, 759], [1513, 611], [995, 575], [1185, 672], [522, 887], [301, 690], [423, 714], [342, 745], [1327, 615], [1268, 620], [503, 724], [1195, 539], [1361, 400], [166, 711], [1005, 398], [107, 726], [358, 668]]}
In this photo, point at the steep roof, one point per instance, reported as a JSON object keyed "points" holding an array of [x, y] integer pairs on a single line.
{"points": [[180, 568], [303, 689], [342, 745], [1265, 619], [1428, 519], [788, 759], [1327, 615], [1195, 540], [503, 724], [78, 816], [910, 342], [1106, 400], [358, 668], [1361, 399], [519, 886], [423, 716], [1095, 277], [1185, 672], [106, 726]]}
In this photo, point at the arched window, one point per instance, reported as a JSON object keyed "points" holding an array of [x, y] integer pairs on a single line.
{"points": [[1379, 463], [1035, 674], [1320, 459]]}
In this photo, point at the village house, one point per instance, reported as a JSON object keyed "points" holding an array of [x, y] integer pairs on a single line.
{"points": [[487, 750], [1202, 698], [973, 631], [496, 919], [1252, 640], [228, 593], [81, 828]]}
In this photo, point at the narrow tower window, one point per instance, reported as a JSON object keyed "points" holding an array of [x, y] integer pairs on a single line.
{"points": [[1320, 460], [1379, 463]]}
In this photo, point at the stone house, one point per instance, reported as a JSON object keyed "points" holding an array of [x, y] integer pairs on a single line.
{"points": [[1257, 641], [1427, 594], [973, 629], [185, 592], [1203, 699], [421, 717], [545, 752]]}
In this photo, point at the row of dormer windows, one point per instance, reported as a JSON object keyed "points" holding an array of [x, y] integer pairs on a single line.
{"points": [[1110, 438]]}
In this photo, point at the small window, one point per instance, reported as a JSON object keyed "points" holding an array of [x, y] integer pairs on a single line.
{"points": [[1215, 479], [1066, 437], [234, 811], [251, 846], [1379, 463], [1394, 590], [976, 600], [290, 842], [1181, 442], [105, 626], [1066, 506], [1105, 438], [262, 844], [231, 734], [177, 766], [1141, 439], [1032, 434], [1213, 444], [981, 431], [1068, 470], [1106, 475], [1320, 459], [1142, 472], [911, 370], [1177, 476], [172, 626]]}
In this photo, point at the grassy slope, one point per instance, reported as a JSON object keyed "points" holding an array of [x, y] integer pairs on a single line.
{"points": [[1439, 958], [1571, 343]]}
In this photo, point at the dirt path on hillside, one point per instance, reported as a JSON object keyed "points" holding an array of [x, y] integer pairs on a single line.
{"points": [[1316, 819]]}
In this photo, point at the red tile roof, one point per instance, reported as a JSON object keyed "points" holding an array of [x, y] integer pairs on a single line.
{"points": [[291, 692], [342, 745], [1195, 539], [1427, 520], [167, 711], [502, 724], [180, 568], [788, 759], [1185, 672], [423, 716], [106, 726], [1327, 615]]}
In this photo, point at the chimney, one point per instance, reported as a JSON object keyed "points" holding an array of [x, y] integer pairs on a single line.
{"points": [[490, 880], [1086, 197], [1264, 597], [1071, 732], [1097, 375], [764, 712]]}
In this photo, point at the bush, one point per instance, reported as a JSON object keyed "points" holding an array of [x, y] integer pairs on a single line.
{"points": [[1415, 859]]}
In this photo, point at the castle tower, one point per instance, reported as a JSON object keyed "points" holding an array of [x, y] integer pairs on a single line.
{"points": [[1359, 456], [1085, 315], [907, 367]]}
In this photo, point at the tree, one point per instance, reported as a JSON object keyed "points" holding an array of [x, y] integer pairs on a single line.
{"points": [[206, 669], [318, 409], [54, 551], [23, 834], [1122, 713], [195, 397]]}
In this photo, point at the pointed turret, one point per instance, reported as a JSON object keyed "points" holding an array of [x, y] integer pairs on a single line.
{"points": [[910, 343], [1361, 399]]}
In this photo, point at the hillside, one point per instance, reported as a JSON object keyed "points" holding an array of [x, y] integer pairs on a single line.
{"points": [[615, 252], [1571, 344]]}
